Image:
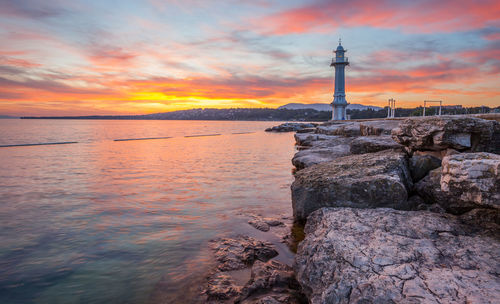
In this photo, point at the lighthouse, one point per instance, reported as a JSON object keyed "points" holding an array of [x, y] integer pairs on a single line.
{"points": [[339, 103]]}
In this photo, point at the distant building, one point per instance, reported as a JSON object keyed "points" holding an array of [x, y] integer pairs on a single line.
{"points": [[339, 102]]}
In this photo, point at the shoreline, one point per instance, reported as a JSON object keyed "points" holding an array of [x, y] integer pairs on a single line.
{"points": [[399, 211], [347, 174]]}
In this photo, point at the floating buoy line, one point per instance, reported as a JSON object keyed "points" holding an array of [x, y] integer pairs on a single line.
{"points": [[119, 139]]}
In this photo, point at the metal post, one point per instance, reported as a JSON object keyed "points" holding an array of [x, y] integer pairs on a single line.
{"points": [[393, 108], [440, 103], [389, 109], [424, 109]]}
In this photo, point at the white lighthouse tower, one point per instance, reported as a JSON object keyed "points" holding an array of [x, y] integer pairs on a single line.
{"points": [[339, 103]]}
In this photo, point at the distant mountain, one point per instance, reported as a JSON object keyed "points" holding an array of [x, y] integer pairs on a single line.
{"points": [[7, 117], [325, 107]]}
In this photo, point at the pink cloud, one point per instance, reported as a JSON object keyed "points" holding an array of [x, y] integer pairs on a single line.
{"points": [[414, 16]]}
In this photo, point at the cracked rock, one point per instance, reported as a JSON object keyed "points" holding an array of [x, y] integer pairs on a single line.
{"points": [[390, 256], [241, 252]]}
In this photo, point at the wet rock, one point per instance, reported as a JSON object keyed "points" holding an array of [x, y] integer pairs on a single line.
{"points": [[259, 225], [471, 180], [370, 144], [370, 180], [420, 165], [221, 287], [390, 256], [241, 252], [271, 282], [291, 127], [462, 133], [273, 222]]}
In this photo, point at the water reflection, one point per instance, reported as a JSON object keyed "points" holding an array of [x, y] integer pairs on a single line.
{"points": [[127, 222]]}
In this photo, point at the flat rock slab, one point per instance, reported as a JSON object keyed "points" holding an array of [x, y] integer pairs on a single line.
{"points": [[309, 139], [370, 144], [321, 152], [291, 127], [390, 256], [346, 129], [378, 127], [269, 282], [463, 133], [370, 180], [358, 128]]}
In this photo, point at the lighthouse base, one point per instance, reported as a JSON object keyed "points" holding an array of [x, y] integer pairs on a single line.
{"points": [[339, 112]]}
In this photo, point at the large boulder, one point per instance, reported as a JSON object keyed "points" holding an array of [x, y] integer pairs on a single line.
{"points": [[370, 144], [389, 256], [437, 133], [471, 179], [368, 180], [465, 181]]}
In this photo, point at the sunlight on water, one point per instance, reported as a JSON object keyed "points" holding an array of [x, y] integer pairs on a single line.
{"points": [[103, 221]]}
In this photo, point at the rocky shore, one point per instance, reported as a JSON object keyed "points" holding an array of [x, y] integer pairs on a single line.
{"points": [[399, 211], [395, 211]]}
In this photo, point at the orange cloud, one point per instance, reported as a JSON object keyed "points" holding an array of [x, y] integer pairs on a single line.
{"points": [[414, 16]]}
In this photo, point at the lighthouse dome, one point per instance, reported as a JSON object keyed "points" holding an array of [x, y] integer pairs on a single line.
{"points": [[340, 48]]}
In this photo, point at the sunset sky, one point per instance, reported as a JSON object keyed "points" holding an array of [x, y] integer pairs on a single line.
{"points": [[82, 57]]}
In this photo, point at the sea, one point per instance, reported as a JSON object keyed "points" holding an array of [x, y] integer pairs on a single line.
{"points": [[114, 217]]}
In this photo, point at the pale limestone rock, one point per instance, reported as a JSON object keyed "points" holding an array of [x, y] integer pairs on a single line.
{"points": [[472, 179], [390, 256], [463, 133]]}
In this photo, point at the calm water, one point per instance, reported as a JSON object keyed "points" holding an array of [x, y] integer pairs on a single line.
{"points": [[128, 222]]}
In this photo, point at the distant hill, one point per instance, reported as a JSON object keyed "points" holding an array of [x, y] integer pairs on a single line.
{"points": [[217, 114], [325, 107], [7, 117]]}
